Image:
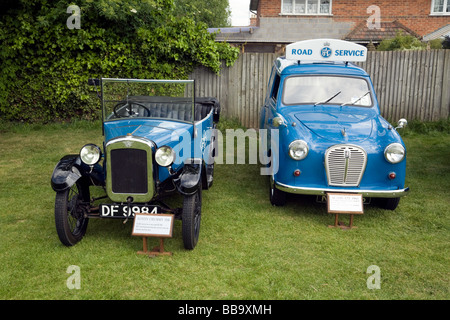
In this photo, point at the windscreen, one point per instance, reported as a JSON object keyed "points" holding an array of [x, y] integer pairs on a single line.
{"points": [[326, 90], [135, 98]]}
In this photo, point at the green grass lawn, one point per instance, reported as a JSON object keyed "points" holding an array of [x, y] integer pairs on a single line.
{"points": [[247, 248]]}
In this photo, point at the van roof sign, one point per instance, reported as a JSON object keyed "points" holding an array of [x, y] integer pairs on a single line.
{"points": [[325, 50]]}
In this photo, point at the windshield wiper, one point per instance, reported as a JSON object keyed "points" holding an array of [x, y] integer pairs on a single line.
{"points": [[326, 101], [352, 103]]}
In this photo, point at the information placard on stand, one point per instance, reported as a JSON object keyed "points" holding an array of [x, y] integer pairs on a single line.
{"points": [[153, 225], [344, 203]]}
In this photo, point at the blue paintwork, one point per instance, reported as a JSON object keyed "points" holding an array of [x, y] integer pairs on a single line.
{"points": [[165, 132], [157, 130], [321, 127]]}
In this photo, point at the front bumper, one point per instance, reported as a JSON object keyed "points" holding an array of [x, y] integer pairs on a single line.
{"points": [[323, 191]]}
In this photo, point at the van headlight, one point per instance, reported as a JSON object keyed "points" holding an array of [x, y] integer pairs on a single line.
{"points": [[90, 154], [298, 150], [394, 153], [164, 156]]}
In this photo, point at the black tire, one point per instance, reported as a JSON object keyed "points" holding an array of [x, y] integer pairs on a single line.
{"points": [[191, 218], [277, 197], [209, 166], [209, 176], [70, 222], [388, 203]]}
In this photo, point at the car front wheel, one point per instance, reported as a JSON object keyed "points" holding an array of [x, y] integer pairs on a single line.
{"points": [[191, 218], [389, 203], [277, 197], [71, 224]]}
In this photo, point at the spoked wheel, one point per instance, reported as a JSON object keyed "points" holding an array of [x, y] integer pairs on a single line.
{"points": [[70, 206], [191, 218]]}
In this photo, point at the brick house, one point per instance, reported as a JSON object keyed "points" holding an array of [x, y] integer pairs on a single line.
{"points": [[278, 22]]}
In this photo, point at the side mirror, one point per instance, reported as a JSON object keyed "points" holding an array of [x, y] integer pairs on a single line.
{"points": [[278, 121], [401, 124], [93, 82], [96, 83]]}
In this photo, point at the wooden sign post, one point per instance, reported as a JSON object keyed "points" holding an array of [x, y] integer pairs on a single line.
{"points": [[344, 203], [153, 225]]}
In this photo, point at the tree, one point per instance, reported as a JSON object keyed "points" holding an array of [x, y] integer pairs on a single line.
{"points": [[446, 42], [407, 42], [45, 65], [214, 13], [400, 42]]}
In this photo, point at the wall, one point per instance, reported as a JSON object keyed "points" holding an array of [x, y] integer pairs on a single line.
{"points": [[409, 84], [414, 14]]}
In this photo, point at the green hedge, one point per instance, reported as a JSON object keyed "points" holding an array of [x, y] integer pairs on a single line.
{"points": [[45, 65]]}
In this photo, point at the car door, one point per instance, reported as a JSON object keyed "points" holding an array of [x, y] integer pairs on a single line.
{"points": [[268, 112], [264, 113]]}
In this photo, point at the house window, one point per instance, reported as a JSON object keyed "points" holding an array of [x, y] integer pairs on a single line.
{"points": [[440, 7], [309, 7]]}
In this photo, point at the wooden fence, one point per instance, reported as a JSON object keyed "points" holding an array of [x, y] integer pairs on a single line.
{"points": [[408, 84]]}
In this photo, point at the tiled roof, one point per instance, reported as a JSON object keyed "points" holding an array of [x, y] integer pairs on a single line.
{"points": [[439, 33], [362, 33], [285, 30]]}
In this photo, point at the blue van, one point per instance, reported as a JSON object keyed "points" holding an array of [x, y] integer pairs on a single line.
{"points": [[330, 134]]}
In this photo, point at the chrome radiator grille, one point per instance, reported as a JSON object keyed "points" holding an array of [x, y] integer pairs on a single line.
{"points": [[129, 170], [345, 165]]}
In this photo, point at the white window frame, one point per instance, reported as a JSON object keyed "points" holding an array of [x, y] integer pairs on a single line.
{"points": [[440, 13], [306, 8]]}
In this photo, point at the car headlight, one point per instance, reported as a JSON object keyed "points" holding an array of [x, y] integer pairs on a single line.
{"points": [[164, 156], [90, 154], [394, 153], [298, 150]]}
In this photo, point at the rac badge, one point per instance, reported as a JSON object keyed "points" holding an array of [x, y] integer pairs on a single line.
{"points": [[326, 52]]}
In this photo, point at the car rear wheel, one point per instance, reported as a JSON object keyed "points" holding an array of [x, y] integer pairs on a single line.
{"points": [[191, 218], [71, 224]]}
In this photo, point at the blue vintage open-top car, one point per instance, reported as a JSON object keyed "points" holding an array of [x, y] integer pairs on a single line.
{"points": [[330, 136], [158, 139]]}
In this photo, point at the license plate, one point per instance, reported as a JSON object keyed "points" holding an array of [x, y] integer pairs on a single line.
{"points": [[323, 199], [115, 210], [345, 203]]}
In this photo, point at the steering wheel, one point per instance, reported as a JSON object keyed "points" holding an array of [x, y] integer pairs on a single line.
{"points": [[127, 106]]}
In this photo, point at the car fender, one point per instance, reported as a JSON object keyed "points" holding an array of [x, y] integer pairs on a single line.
{"points": [[190, 179], [70, 169]]}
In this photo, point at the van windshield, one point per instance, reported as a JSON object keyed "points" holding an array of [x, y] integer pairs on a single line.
{"points": [[327, 90]]}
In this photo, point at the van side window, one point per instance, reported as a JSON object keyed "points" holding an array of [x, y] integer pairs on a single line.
{"points": [[270, 84], [276, 85]]}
